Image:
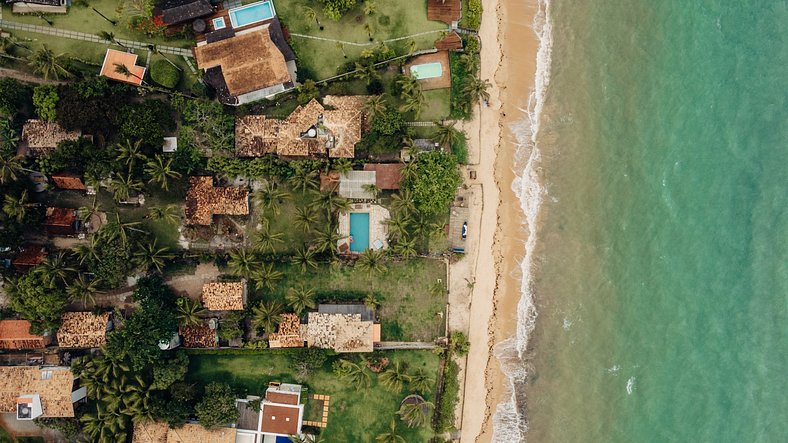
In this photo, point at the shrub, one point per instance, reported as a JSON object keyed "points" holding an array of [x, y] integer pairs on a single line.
{"points": [[45, 100], [472, 14], [460, 149], [448, 398], [163, 73]]}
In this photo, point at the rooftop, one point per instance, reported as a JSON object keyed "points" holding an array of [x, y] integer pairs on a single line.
{"points": [[200, 336], [83, 330], [387, 175], [280, 419], [340, 332], [42, 137], [174, 12], [113, 58], [249, 61], [52, 384], [451, 41], [203, 201], [67, 181], [192, 433], [353, 184], [446, 11], [224, 296], [62, 217], [289, 333], [30, 255], [15, 334]]}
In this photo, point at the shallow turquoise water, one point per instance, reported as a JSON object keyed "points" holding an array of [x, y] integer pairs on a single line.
{"points": [[359, 231], [662, 283]]}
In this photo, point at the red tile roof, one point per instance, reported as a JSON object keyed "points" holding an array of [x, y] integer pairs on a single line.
{"points": [[68, 181], [129, 60], [281, 420], [30, 255], [449, 42], [15, 334], [387, 175], [446, 11]]}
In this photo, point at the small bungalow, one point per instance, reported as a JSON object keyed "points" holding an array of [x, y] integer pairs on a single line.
{"points": [[289, 333], [224, 296], [204, 200], [331, 129], [61, 222], [281, 415], [40, 137], [29, 257], [114, 59], [38, 391], [199, 336], [83, 330], [68, 182], [387, 175], [15, 334]]}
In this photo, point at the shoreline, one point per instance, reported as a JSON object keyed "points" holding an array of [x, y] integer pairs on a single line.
{"points": [[497, 289]]}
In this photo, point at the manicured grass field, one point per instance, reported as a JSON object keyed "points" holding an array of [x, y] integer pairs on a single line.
{"points": [[392, 19], [411, 309], [354, 416]]}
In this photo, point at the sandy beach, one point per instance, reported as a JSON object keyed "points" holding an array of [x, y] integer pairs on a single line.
{"points": [[508, 60]]}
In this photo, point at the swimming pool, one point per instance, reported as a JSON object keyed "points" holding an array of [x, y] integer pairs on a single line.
{"points": [[427, 70], [218, 23], [252, 13], [359, 231]]}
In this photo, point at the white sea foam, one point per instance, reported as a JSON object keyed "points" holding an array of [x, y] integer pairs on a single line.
{"points": [[630, 385], [510, 423]]}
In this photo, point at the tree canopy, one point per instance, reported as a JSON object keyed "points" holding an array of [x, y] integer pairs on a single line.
{"points": [[39, 302], [45, 100], [432, 179], [217, 406]]}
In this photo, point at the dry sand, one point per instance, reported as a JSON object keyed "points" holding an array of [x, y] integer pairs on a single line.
{"points": [[506, 29]]}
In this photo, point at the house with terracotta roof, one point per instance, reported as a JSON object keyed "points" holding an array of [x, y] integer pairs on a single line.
{"points": [[113, 59], [289, 334], [40, 137], [449, 42], [29, 257], [247, 65], [38, 391], [204, 200], [68, 182], [331, 129], [199, 336], [446, 11], [387, 175], [15, 334], [160, 432], [224, 296], [281, 414], [83, 330], [61, 222]]}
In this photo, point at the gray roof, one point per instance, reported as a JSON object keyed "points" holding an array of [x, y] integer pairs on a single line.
{"points": [[352, 184]]}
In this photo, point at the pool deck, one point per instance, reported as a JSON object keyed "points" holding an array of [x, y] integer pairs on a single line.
{"points": [[442, 57], [225, 14], [377, 227]]}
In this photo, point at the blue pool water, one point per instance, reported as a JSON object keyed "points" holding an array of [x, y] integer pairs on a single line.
{"points": [[280, 439], [359, 230], [426, 70], [253, 13]]}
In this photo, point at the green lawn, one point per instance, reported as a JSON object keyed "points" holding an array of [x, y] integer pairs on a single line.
{"points": [[411, 309], [436, 106], [356, 416], [292, 237], [392, 19]]}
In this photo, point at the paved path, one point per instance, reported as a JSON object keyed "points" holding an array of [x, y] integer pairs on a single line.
{"points": [[365, 43], [422, 124], [9, 25], [25, 77], [405, 345]]}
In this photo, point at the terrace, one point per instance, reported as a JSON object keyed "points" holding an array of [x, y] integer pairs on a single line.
{"points": [[431, 70]]}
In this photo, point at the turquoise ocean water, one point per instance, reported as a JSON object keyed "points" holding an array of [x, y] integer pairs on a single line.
{"points": [[660, 273]]}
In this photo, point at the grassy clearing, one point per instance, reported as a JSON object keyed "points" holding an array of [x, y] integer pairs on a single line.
{"points": [[392, 19], [411, 294], [353, 415], [436, 106], [292, 237]]}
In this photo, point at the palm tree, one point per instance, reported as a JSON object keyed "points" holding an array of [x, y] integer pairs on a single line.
{"points": [[15, 208], [420, 381], [356, 374], [44, 62], [405, 247], [372, 261], [10, 168], [304, 258], [327, 239], [366, 72], [170, 214], [398, 224], [403, 202], [341, 47], [155, 49], [476, 88], [305, 218], [342, 165], [189, 312], [267, 315], [415, 411], [372, 189], [267, 240], [160, 171], [266, 277], [83, 290], [271, 198], [391, 435], [329, 202], [447, 135], [110, 37], [129, 153], [243, 262], [115, 229], [371, 301], [424, 226], [369, 7], [411, 46], [304, 179], [123, 70], [83, 252], [150, 255], [414, 101], [395, 377], [408, 84], [368, 30], [471, 63], [375, 106], [300, 299], [310, 15], [55, 269], [123, 186]]}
